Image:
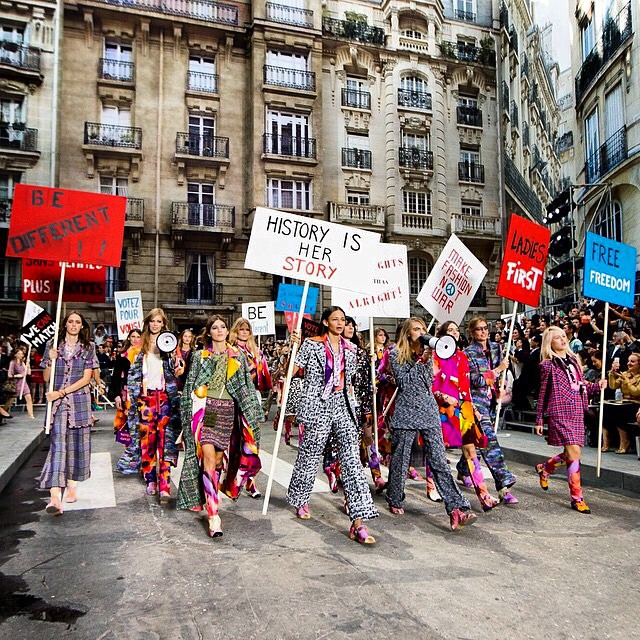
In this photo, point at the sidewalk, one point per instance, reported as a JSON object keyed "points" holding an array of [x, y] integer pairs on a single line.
{"points": [[20, 436]]}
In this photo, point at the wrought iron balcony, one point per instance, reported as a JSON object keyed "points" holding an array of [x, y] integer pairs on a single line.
{"points": [[19, 137], [470, 172], [468, 16], [195, 214], [19, 56], [467, 52], [477, 225], [358, 214], [504, 16], [135, 210], [607, 157], [204, 10], [111, 135], [10, 292], [513, 114], [204, 146], [356, 99], [564, 142], [5, 209], [469, 116], [353, 30], [518, 186], [294, 146], [290, 78], [616, 31], [505, 96], [116, 70], [289, 15], [356, 158], [202, 82], [513, 39], [525, 134], [200, 293], [524, 65], [414, 158], [415, 99]]}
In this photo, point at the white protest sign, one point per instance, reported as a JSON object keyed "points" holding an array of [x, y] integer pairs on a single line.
{"points": [[313, 250], [31, 311], [388, 297], [261, 316], [129, 313], [452, 283]]}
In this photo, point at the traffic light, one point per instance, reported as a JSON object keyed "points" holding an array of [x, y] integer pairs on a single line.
{"points": [[563, 275], [559, 207], [562, 242]]}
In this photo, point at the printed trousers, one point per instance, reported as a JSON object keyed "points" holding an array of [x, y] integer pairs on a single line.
{"points": [[155, 412]]}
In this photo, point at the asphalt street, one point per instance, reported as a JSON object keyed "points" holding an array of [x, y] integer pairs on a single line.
{"points": [[120, 566]]}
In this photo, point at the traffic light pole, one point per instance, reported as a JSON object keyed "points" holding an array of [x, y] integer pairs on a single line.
{"points": [[573, 246]]}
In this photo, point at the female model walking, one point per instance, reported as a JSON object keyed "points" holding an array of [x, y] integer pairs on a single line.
{"points": [[416, 411], [563, 398], [19, 369], [68, 460], [220, 413], [327, 408], [485, 367]]}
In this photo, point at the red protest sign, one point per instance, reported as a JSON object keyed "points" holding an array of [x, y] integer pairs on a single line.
{"points": [[82, 282], [525, 257], [61, 224], [291, 318]]}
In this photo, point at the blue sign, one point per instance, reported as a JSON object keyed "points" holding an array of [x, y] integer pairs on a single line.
{"points": [[609, 270], [290, 297]]}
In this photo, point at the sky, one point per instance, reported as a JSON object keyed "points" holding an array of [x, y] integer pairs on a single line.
{"points": [[555, 12]]}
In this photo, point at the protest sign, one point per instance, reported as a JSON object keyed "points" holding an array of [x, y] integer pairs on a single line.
{"points": [[38, 330], [309, 249], [609, 270], [62, 224], [31, 311], [388, 297], [41, 281], [129, 314], [452, 283], [524, 260], [290, 296], [261, 316], [310, 328], [292, 319]]}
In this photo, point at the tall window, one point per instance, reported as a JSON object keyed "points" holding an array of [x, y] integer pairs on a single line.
{"points": [[117, 61], [11, 110], [418, 202], [200, 277], [418, 271], [116, 115], [288, 69], [201, 197], [466, 10], [117, 277], [288, 134], [10, 279], [114, 186], [201, 76], [588, 38], [289, 194], [592, 143], [415, 141], [11, 33], [7, 182], [357, 94], [202, 131], [608, 222]]}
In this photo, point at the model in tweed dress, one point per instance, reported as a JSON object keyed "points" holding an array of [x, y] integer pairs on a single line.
{"points": [[70, 449], [563, 398], [416, 411]]}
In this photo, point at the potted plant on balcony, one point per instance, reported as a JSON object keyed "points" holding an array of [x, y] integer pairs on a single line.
{"points": [[487, 54], [18, 126], [448, 49]]}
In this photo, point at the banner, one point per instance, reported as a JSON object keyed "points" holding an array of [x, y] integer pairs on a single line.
{"points": [[525, 257], [313, 250], [261, 316], [83, 282], [291, 319], [290, 297], [452, 283], [38, 330], [388, 297], [61, 224], [609, 270], [129, 314]]}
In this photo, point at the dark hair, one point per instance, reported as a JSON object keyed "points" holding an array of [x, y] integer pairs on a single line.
{"points": [[84, 337], [442, 329], [325, 316], [354, 338], [205, 335]]}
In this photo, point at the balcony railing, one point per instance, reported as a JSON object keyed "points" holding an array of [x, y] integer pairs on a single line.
{"points": [[5, 209], [353, 30], [135, 210], [480, 297], [468, 16], [10, 292], [470, 172], [356, 158], [116, 70], [609, 155], [475, 224], [204, 146], [467, 52], [525, 134], [200, 293], [524, 65], [202, 82], [513, 113], [564, 142], [195, 214], [111, 135], [18, 137], [289, 15], [521, 190], [504, 16], [356, 99], [505, 96], [513, 39], [412, 158], [420, 221], [296, 147], [469, 116], [415, 99], [615, 32], [291, 78], [204, 10], [359, 214], [19, 56]]}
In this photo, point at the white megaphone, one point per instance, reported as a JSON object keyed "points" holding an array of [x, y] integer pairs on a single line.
{"points": [[167, 341], [443, 347]]}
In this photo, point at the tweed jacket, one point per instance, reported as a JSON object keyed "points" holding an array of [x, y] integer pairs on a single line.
{"points": [[313, 359], [243, 452], [483, 381], [415, 405]]}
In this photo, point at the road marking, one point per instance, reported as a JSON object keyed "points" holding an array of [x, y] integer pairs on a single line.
{"points": [[283, 473], [98, 492]]}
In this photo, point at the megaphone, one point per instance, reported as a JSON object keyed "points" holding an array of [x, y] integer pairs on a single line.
{"points": [[167, 341], [443, 347]]}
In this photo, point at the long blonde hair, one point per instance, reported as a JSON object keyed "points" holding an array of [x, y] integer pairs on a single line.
{"points": [[251, 341], [405, 353], [146, 334], [546, 351]]}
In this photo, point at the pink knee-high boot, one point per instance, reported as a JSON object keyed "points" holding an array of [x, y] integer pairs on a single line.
{"points": [[487, 501], [210, 482]]}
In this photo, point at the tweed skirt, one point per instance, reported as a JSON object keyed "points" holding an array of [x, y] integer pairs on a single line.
{"points": [[218, 423]]}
